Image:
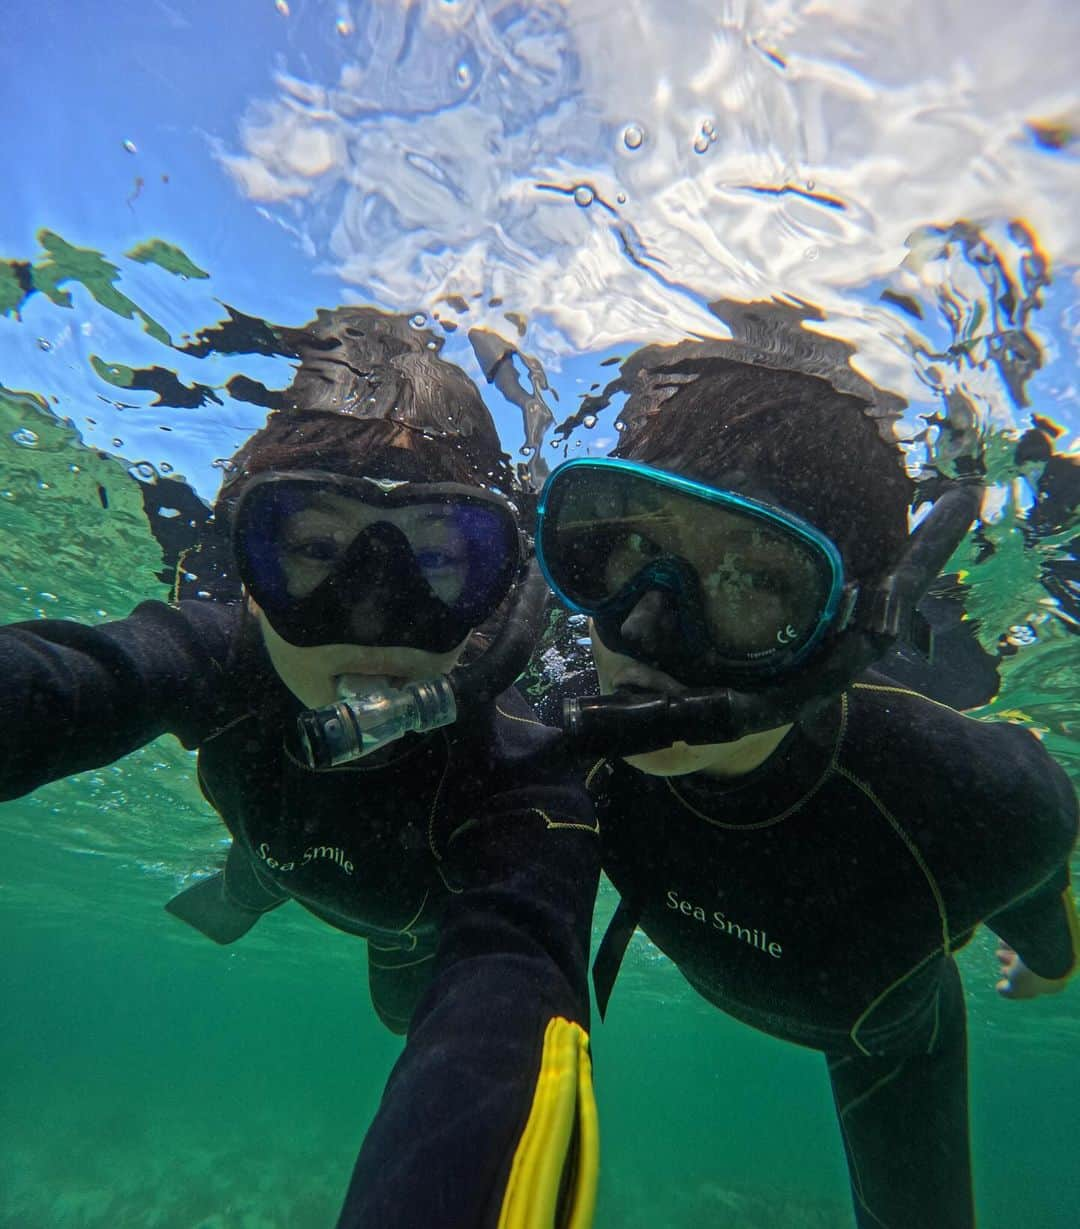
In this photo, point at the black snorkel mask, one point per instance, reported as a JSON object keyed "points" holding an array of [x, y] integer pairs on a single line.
{"points": [[773, 629], [339, 560]]}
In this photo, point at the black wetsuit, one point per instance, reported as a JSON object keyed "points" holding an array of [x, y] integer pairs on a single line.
{"points": [[468, 858], [820, 898]]}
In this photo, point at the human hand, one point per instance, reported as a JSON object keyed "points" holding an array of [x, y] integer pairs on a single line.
{"points": [[1017, 981]]}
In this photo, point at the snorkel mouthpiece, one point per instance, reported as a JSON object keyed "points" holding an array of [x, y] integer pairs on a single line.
{"points": [[633, 723], [364, 720]]}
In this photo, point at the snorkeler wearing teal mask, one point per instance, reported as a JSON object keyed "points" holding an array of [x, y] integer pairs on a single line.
{"points": [[365, 747], [809, 842]]}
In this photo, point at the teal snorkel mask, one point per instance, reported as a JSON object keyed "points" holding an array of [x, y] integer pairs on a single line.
{"points": [[739, 600]]}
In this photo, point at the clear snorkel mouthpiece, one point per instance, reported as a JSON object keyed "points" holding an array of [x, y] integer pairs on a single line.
{"points": [[365, 719]]}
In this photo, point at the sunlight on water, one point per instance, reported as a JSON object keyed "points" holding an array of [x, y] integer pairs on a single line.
{"points": [[882, 194]]}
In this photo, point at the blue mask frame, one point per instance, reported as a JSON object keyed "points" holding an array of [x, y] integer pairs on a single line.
{"points": [[697, 655]]}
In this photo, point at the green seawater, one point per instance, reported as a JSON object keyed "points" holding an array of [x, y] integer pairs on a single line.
{"points": [[155, 1080]]}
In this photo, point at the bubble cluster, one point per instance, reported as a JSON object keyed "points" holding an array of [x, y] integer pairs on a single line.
{"points": [[706, 136]]}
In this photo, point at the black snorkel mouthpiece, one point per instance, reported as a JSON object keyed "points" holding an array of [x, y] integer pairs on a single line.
{"points": [[634, 722], [364, 720]]}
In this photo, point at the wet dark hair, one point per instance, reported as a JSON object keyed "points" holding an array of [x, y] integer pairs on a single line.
{"points": [[373, 397], [783, 436]]}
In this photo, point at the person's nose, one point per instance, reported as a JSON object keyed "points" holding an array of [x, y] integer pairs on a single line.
{"points": [[651, 624]]}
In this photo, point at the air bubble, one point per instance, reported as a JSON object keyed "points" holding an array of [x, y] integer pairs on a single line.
{"points": [[526, 450], [620, 425], [25, 438], [418, 320], [810, 185], [48, 597], [131, 147], [117, 442], [812, 252], [344, 27], [701, 144], [584, 196], [165, 467], [589, 420], [463, 75], [621, 198], [145, 470], [707, 128], [633, 136], [282, 7], [43, 343]]}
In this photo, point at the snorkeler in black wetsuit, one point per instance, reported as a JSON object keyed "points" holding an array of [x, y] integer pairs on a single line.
{"points": [[465, 853], [808, 842]]}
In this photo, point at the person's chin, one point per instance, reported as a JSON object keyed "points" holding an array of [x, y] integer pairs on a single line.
{"points": [[674, 761]]}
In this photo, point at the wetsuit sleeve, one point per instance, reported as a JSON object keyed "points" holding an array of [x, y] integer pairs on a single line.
{"points": [[1043, 929], [487, 1121], [1040, 923], [74, 697]]}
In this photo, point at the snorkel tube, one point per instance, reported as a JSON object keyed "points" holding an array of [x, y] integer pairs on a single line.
{"points": [[363, 720], [632, 722]]}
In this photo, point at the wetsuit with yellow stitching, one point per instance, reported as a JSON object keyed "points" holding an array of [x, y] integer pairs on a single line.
{"points": [[821, 897], [467, 858]]}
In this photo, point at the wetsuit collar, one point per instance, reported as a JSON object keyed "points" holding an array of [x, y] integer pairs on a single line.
{"points": [[777, 787]]}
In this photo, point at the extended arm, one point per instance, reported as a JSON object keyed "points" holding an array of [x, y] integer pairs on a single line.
{"points": [[488, 1118], [74, 697]]}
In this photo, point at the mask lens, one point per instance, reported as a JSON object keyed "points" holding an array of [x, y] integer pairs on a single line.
{"points": [[318, 554], [757, 586]]}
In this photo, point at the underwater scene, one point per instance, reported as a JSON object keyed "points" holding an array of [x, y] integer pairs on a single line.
{"points": [[521, 227]]}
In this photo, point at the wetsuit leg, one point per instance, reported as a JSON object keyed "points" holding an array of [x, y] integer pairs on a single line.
{"points": [[397, 979], [904, 1121]]}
